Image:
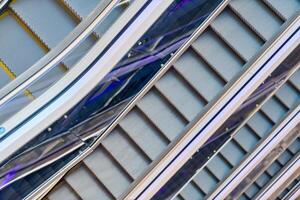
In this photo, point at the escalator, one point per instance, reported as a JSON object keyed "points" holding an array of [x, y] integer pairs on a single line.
{"points": [[31, 29], [273, 170], [216, 58], [291, 191], [239, 136], [50, 133], [244, 141]]}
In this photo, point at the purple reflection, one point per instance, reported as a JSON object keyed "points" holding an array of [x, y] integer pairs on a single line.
{"points": [[10, 175], [159, 43]]}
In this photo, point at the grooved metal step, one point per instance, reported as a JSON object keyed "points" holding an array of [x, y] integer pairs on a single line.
{"points": [[19, 41], [176, 99], [79, 8], [257, 128], [29, 29], [50, 30], [284, 9], [278, 164]]}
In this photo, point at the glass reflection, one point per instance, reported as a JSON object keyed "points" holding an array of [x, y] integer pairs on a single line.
{"points": [[45, 81], [230, 126], [91, 116]]}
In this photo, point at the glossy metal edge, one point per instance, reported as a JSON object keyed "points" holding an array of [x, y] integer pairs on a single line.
{"points": [[258, 107], [133, 33], [294, 193], [41, 106], [258, 154], [62, 153], [3, 4], [147, 187], [52, 58], [281, 180]]}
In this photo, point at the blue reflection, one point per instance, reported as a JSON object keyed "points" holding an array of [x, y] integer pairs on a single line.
{"points": [[224, 133], [132, 73]]}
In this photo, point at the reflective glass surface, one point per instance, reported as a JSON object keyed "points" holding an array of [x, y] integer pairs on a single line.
{"points": [[21, 188], [231, 126], [87, 120], [56, 72]]}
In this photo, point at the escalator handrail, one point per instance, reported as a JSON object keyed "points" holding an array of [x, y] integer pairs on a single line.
{"points": [[68, 91], [3, 4], [280, 132], [58, 53], [277, 86], [201, 129], [281, 179]]}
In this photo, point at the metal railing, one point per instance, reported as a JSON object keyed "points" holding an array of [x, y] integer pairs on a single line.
{"points": [[281, 180], [34, 113], [294, 193], [105, 63], [258, 155], [248, 116], [220, 110], [56, 54]]}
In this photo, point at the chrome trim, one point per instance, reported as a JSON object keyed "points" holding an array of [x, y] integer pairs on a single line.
{"points": [[258, 107], [56, 55], [58, 155], [258, 155], [46, 116], [294, 193], [3, 4], [45, 188], [238, 91], [151, 13], [161, 72], [281, 180]]}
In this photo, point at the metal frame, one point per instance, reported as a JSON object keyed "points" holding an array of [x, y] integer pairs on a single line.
{"points": [[3, 3], [258, 155], [281, 180], [258, 107], [160, 73], [113, 55], [60, 155], [237, 93], [266, 162], [52, 182], [57, 100], [294, 193], [51, 59]]}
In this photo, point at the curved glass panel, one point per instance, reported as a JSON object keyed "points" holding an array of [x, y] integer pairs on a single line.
{"points": [[40, 86], [29, 30]]}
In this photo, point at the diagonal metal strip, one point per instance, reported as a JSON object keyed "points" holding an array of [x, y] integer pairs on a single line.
{"points": [[261, 166], [288, 126], [217, 114], [294, 193], [12, 76], [134, 31], [56, 54], [281, 180], [74, 146], [258, 107]]}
